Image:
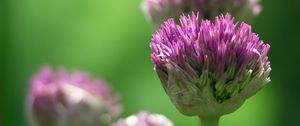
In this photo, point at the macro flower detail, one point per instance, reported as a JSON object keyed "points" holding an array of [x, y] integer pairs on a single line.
{"points": [[59, 99], [211, 69], [157, 11], [144, 119]]}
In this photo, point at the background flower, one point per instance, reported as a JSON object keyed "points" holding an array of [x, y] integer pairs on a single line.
{"points": [[158, 11], [59, 99], [144, 119]]}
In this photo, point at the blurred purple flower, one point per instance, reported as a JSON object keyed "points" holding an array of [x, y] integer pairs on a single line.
{"points": [[157, 11], [144, 119], [211, 69], [59, 99]]}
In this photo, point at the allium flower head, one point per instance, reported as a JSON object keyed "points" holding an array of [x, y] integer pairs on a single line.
{"points": [[157, 11], [211, 69], [144, 119], [59, 99]]}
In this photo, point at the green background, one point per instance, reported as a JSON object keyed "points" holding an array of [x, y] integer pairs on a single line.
{"points": [[110, 39]]}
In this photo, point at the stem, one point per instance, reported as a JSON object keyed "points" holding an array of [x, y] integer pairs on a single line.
{"points": [[209, 121]]}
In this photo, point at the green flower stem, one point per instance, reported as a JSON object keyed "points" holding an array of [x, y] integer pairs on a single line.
{"points": [[209, 121]]}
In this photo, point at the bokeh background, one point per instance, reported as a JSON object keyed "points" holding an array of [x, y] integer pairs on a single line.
{"points": [[110, 39]]}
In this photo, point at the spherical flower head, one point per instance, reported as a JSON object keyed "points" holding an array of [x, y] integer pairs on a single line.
{"points": [[157, 11], [211, 69], [59, 99], [144, 119]]}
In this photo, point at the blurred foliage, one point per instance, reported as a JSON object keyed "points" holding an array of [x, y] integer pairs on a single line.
{"points": [[110, 39]]}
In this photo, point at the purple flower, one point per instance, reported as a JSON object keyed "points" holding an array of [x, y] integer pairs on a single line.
{"points": [[157, 11], [144, 119], [211, 69], [59, 99]]}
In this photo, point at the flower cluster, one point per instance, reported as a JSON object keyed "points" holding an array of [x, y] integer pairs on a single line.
{"points": [[211, 69], [207, 69], [157, 11], [70, 100]]}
